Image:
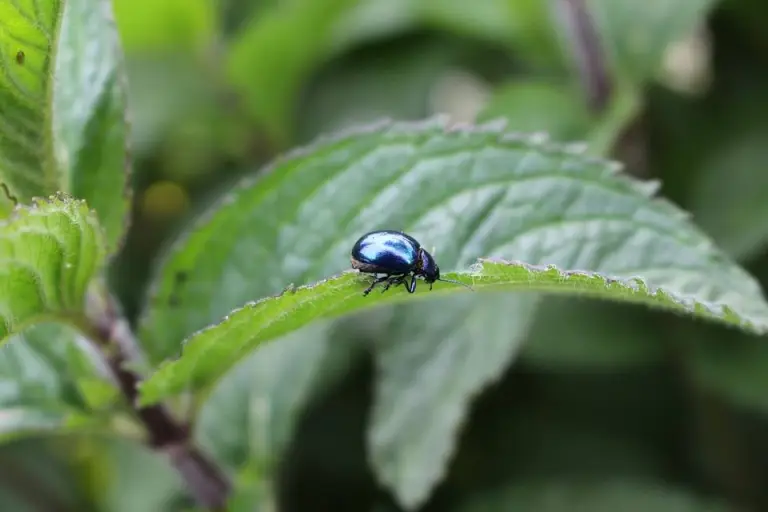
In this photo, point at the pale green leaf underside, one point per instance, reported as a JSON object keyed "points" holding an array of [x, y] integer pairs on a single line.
{"points": [[41, 372], [50, 251], [88, 113], [208, 354]]}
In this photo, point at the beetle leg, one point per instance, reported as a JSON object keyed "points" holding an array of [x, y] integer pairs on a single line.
{"points": [[393, 280], [412, 285], [374, 283]]}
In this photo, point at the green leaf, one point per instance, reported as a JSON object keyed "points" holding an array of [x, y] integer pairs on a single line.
{"points": [[729, 364], [600, 496], [517, 196], [50, 253], [62, 121], [250, 415], [146, 26], [208, 354], [437, 368], [729, 197], [40, 375], [540, 106], [88, 114], [274, 54], [636, 35]]}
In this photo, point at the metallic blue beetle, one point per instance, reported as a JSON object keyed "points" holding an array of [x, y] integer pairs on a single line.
{"points": [[397, 256]]}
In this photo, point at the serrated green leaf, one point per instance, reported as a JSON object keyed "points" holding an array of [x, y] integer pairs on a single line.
{"points": [[517, 197], [601, 496], [40, 374], [636, 34], [468, 192], [50, 253], [207, 356], [63, 122], [273, 55]]}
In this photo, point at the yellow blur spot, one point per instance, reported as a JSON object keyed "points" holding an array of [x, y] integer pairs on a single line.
{"points": [[164, 200]]}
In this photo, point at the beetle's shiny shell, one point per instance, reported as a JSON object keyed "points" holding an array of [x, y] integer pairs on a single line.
{"points": [[385, 252]]}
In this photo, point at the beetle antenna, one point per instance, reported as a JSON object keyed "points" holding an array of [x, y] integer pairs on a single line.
{"points": [[456, 282]]}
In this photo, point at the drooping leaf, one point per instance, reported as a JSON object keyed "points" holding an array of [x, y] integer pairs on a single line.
{"points": [[274, 54], [250, 415], [62, 121], [428, 372], [50, 253], [41, 372], [602, 496]]}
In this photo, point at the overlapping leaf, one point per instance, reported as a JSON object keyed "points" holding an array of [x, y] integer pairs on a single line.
{"points": [[468, 193], [41, 372], [62, 121]]}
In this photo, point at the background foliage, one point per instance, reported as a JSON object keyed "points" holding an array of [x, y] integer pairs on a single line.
{"points": [[465, 402]]}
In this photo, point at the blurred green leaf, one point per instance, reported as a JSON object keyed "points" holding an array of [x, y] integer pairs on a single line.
{"points": [[560, 110], [729, 198], [250, 415], [41, 371], [390, 80], [428, 373], [524, 26], [730, 364], [34, 478], [147, 26], [63, 115], [589, 334], [134, 478], [636, 34], [535, 105], [599, 496], [273, 55], [50, 253]]}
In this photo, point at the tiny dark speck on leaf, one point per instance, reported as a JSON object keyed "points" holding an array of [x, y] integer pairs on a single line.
{"points": [[173, 301], [20, 57], [181, 277]]}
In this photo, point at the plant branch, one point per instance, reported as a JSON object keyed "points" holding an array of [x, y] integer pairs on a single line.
{"points": [[110, 331], [583, 41]]}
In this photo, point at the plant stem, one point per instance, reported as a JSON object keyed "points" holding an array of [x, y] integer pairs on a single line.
{"points": [[583, 41], [106, 326]]}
